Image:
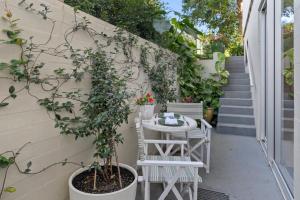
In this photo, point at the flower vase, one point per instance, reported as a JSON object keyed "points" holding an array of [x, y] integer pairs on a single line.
{"points": [[147, 111]]}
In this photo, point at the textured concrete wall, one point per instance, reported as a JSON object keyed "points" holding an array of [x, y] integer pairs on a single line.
{"points": [[25, 121]]}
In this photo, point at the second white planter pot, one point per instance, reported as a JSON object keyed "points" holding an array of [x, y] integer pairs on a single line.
{"points": [[127, 193]]}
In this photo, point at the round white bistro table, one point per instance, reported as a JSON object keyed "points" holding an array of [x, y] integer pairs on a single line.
{"points": [[153, 125]]}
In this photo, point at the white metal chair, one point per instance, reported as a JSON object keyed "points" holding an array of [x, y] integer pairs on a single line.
{"points": [[166, 169], [199, 139]]}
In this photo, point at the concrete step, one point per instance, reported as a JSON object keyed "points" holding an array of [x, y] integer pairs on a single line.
{"points": [[288, 112], [240, 110], [288, 122], [237, 94], [237, 64], [235, 69], [236, 129], [237, 88], [288, 134], [236, 102], [238, 119], [238, 76], [235, 59], [287, 96], [289, 103], [245, 81]]}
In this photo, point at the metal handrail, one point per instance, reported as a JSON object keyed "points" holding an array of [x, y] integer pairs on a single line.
{"points": [[250, 66]]}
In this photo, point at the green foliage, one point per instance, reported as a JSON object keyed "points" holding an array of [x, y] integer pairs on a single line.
{"points": [[161, 83], [191, 82], [219, 16], [288, 71], [161, 74], [107, 106], [222, 19], [9, 159], [207, 90], [288, 74], [236, 48], [10, 189], [181, 42], [135, 16], [5, 162]]}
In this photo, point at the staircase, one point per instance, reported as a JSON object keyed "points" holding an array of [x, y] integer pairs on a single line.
{"points": [[236, 112], [288, 118]]}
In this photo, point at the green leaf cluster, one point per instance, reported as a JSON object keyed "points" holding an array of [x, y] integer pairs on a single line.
{"points": [[5, 162], [135, 16]]}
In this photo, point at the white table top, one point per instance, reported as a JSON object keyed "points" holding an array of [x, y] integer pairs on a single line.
{"points": [[151, 125]]}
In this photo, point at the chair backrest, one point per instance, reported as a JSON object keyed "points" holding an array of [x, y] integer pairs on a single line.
{"points": [[141, 138], [193, 110]]}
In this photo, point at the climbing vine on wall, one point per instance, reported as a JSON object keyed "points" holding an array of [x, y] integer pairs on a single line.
{"points": [[65, 106]]}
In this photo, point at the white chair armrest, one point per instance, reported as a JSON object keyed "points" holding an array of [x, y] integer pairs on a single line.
{"points": [[170, 163], [165, 142], [205, 123]]}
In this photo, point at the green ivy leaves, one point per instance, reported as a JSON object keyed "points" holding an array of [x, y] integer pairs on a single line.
{"points": [[10, 189], [3, 104], [5, 162]]}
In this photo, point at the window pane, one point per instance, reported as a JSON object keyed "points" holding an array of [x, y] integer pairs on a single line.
{"points": [[287, 92]]}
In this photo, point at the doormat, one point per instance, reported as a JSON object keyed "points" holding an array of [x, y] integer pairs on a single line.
{"points": [[204, 194]]}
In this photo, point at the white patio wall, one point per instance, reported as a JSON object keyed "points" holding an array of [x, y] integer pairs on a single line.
{"points": [[25, 121], [209, 65]]}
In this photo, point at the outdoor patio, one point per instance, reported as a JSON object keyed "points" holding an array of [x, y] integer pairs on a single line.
{"points": [[133, 100], [238, 168]]}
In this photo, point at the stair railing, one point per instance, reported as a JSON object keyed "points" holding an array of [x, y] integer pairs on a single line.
{"points": [[249, 66]]}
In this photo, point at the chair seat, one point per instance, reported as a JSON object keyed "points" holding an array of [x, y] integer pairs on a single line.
{"points": [[193, 134], [163, 174]]}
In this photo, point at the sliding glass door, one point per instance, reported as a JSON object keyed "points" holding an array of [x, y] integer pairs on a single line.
{"points": [[284, 93]]}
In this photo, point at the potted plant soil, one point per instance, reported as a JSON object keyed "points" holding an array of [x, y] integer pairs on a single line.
{"points": [[105, 110], [146, 104]]}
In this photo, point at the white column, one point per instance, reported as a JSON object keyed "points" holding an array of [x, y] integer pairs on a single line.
{"points": [[297, 102]]}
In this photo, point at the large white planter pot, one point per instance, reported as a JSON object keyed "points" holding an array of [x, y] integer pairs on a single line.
{"points": [[147, 111], [127, 193]]}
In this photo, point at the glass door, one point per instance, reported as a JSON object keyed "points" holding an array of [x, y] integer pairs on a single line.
{"points": [[284, 94]]}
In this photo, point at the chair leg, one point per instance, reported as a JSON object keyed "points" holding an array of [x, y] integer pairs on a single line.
{"points": [[202, 152], [171, 186], [143, 188], [207, 157], [195, 190], [195, 186], [176, 193], [147, 190], [190, 194]]}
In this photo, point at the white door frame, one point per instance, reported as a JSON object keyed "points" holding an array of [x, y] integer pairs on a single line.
{"points": [[263, 79], [271, 73], [278, 61]]}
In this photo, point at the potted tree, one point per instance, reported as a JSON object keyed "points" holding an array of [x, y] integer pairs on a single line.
{"points": [[105, 110]]}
